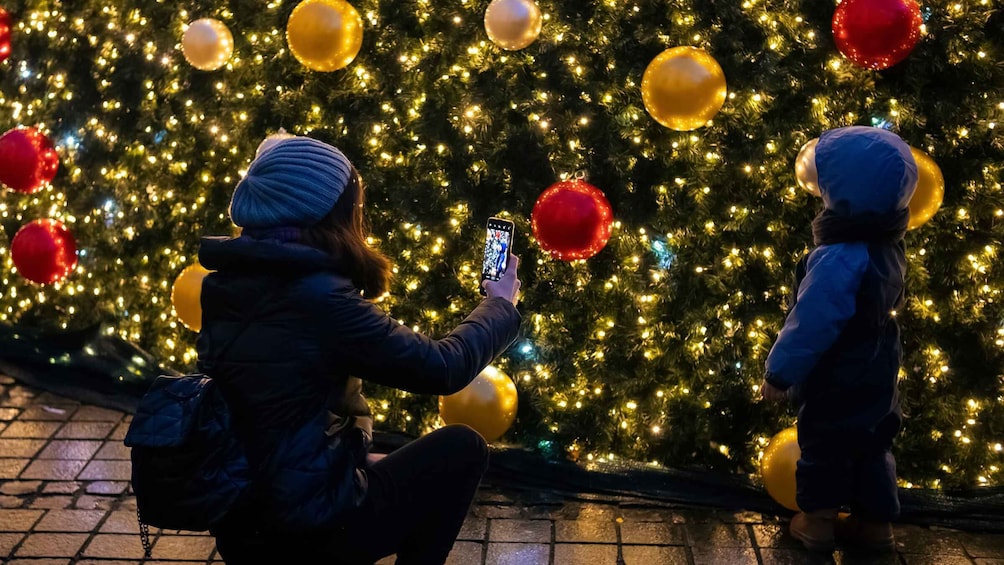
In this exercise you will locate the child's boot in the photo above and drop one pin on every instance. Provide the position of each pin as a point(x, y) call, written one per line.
point(870, 536)
point(815, 529)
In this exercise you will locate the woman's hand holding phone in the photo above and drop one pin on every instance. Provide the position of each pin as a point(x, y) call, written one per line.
point(508, 286)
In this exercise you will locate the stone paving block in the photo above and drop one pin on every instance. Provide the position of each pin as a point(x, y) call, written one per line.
point(47, 413)
point(742, 517)
point(389, 560)
point(70, 449)
point(40, 430)
point(717, 535)
point(51, 398)
point(57, 502)
point(88, 502)
point(53, 469)
point(107, 471)
point(70, 521)
point(793, 557)
point(630, 514)
point(585, 531)
point(523, 531)
point(913, 539)
point(20, 447)
point(15, 401)
point(85, 430)
point(652, 533)
point(982, 561)
point(518, 554)
point(852, 557)
point(121, 522)
point(20, 488)
point(106, 562)
point(107, 487)
point(935, 559)
point(46, 561)
point(10, 501)
point(652, 555)
point(189, 548)
point(495, 511)
point(97, 414)
point(588, 511)
point(774, 536)
point(113, 450)
point(473, 529)
point(19, 520)
point(592, 553)
point(119, 433)
point(11, 468)
point(984, 545)
point(115, 546)
point(8, 414)
point(724, 556)
point(61, 487)
point(465, 553)
point(8, 542)
point(51, 545)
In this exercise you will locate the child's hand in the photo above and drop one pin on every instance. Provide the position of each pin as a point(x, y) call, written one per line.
point(772, 393)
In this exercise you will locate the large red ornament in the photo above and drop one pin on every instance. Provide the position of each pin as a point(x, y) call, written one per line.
point(5, 24)
point(27, 160)
point(877, 34)
point(44, 251)
point(572, 220)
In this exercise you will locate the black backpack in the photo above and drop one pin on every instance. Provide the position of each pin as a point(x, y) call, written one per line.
point(189, 468)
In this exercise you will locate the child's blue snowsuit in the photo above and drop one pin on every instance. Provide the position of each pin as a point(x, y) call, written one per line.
point(840, 345)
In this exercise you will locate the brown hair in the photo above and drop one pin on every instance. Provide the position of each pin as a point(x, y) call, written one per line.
point(343, 233)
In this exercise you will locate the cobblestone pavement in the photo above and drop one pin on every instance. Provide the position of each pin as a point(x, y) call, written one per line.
point(64, 498)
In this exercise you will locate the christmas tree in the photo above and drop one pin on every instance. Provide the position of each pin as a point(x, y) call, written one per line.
point(651, 350)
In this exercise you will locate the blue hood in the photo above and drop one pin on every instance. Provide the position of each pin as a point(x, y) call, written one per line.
point(865, 170)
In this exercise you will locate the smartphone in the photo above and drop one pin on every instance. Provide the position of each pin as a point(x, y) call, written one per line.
point(498, 245)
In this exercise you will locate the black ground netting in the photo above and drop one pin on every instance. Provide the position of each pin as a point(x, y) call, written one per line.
point(96, 368)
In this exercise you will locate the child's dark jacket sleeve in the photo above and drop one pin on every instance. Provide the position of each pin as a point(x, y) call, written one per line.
point(827, 298)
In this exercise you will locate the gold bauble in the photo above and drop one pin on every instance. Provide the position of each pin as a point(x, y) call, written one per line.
point(683, 88)
point(207, 44)
point(488, 404)
point(805, 167)
point(186, 296)
point(930, 191)
point(324, 35)
point(780, 460)
point(513, 24)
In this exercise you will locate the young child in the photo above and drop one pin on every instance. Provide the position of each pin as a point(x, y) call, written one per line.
point(840, 345)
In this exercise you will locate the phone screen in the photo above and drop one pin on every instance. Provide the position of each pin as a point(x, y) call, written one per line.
point(497, 247)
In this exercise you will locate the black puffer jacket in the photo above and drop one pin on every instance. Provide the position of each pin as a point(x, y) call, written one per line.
point(310, 335)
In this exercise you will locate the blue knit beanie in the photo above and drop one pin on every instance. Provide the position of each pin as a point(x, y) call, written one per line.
point(293, 182)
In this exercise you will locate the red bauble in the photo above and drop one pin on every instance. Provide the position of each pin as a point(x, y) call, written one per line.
point(572, 220)
point(44, 251)
point(27, 160)
point(5, 24)
point(877, 34)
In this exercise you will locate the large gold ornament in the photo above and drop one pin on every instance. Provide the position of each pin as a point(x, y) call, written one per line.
point(780, 460)
point(488, 404)
point(207, 44)
point(930, 191)
point(805, 167)
point(683, 88)
point(186, 296)
point(513, 24)
point(324, 35)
